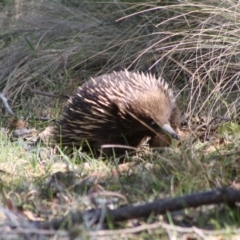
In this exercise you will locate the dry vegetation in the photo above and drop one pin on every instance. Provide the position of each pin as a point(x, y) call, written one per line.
point(53, 47)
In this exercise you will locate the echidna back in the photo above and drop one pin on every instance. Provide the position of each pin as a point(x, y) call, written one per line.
point(117, 108)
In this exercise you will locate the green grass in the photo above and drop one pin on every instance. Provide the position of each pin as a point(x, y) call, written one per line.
point(37, 181)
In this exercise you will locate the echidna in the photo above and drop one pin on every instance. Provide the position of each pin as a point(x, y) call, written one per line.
point(120, 108)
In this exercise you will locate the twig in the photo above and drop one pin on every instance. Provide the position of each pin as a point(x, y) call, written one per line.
point(221, 118)
point(5, 103)
point(50, 94)
point(225, 195)
point(165, 226)
point(31, 230)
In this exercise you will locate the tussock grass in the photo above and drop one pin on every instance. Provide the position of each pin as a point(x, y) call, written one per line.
point(192, 44)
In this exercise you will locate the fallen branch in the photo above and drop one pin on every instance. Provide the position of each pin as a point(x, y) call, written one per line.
point(225, 195)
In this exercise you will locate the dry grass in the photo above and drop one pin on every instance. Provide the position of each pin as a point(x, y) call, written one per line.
point(195, 45)
point(191, 47)
point(53, 47)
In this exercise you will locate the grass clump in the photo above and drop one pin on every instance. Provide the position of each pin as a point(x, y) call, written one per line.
point(193, 44)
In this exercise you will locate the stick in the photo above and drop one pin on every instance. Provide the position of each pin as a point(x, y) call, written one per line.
point(224, 195)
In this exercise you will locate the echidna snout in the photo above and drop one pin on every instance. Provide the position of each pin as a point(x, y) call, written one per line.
point(168, 129)
point(118, 109)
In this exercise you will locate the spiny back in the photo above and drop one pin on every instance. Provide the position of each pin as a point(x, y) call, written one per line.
point(119, 108)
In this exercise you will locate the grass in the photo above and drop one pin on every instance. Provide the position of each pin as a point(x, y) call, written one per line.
point(55, 46)
point(49, 186)
point(199, 56)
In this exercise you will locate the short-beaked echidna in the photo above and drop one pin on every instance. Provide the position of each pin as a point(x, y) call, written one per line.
point(120, 108)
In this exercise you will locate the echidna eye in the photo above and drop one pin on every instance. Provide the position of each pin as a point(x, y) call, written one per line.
point(153, 123)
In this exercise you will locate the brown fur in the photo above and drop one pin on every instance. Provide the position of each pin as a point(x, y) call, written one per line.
point(118, 108)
